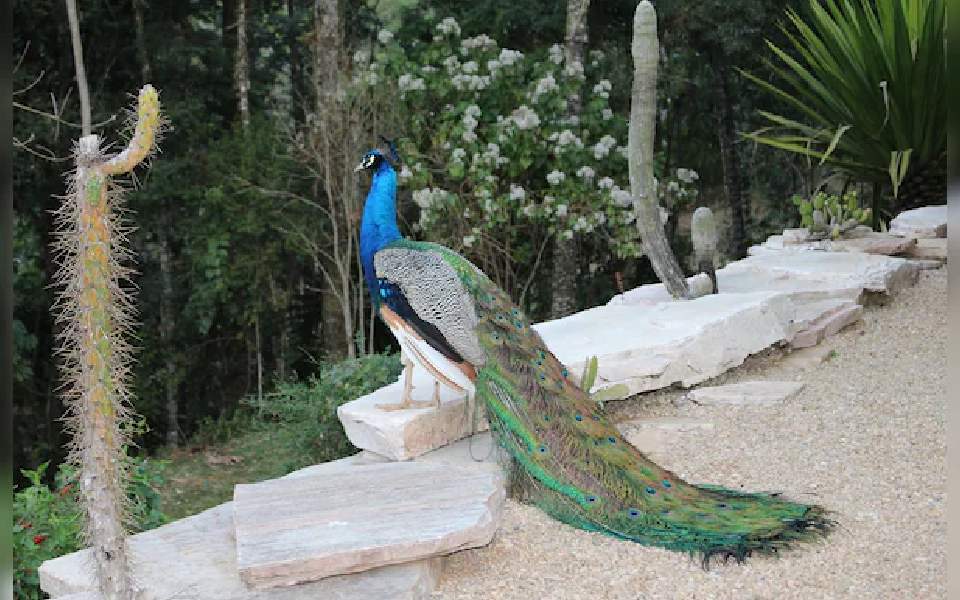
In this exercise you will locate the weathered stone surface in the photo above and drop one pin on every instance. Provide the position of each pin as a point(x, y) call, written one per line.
point(654, 435)
point(404, 434)
point(924, 264)
point(195, 559)
point(682, 342)
point(351, 520)
point(929, 249)
point(923, 222)
point(835, 269)
point(794, 236)
point(827, 324)
point(327, 468)
point(808, 358)
point(756, 393)
point(478, 451)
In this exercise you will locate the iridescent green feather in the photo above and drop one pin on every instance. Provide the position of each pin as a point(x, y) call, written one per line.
point(577, 467)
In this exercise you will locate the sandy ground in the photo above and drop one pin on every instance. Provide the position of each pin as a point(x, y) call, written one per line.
point(866, 438)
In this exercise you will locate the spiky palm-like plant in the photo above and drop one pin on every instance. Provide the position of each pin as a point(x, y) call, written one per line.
point(95, 310)
point(868, 82)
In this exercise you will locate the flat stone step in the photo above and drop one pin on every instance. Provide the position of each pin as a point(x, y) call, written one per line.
point(827, 324)
point(302, 529)
point(404, 434)
point(923, 222)
point(929, 249)
point(195, 558)
point(747, 393)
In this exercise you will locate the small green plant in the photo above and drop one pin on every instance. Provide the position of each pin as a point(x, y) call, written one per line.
point(47, 521)
point(828, 214)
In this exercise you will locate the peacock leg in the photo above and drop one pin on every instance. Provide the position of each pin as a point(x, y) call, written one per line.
point(406, 402)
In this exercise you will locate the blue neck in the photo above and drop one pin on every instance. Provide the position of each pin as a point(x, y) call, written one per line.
point(379, 224)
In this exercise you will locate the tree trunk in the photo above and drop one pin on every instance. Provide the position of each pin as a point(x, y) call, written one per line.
point(326, 52)
point(229, 42)
point(730, 161)
point(242, 65)
point(641, 137)
point(166, 336)
point(566, 258)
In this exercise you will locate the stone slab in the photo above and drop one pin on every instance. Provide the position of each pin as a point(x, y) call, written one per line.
point(367, 516)
point(826, 325)
point(683, 342)
point(929, 249)
point(747, 393)
point(195, 559)
point(923, 222)
point(924, 264)
point(404, 434)
point(868, 272)
point(870, 242)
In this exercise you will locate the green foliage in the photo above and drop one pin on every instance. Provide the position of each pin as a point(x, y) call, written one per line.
point(47, 521)
point(867, 83)
point(830, 214)
point(306, 411)
point(495, 163)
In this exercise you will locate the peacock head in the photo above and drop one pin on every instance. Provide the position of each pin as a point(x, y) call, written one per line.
point(371, 160)
point(374, 158)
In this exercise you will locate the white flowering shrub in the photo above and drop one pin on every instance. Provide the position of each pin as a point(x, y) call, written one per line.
point(489, 149)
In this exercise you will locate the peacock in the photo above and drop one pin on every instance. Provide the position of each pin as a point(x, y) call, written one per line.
point(571, 462)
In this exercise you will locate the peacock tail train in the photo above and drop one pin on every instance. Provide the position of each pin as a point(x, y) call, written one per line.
point(575, 465)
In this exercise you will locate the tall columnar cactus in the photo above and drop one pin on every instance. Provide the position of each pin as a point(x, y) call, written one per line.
point(703, 235)
point(646, 52)
point(96, 313)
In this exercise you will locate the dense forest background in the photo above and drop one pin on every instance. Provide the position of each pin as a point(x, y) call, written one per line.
point(239, 223)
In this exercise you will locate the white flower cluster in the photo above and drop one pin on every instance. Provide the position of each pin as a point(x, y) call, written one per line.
point(605, 183)
point(622, 198)
point(448, 26)
point(687, 175)
point(470, 66)
point(574, 70)
point(603, 88)
point(361, 56)
point(468, 240)
point(482, 42)
point(606, 114)
point(586, 172)
point(405, 172)
point(556, 54)
point(545, 86)
point(452, 63)
point(564, 139)
point(470, 123)
point(458, 155)
point(555, 177)
point(529, 209)
point(428, 197)
point(602, 148)
point(385, 36)
point(561, 210)
point(509, 57)
point(525, 117)
point(470, 82)
point(409, 83)
point(517, 193)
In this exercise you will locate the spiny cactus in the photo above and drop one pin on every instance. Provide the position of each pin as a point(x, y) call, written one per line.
point(830, 215)
point(95, 310)
point(703, 234)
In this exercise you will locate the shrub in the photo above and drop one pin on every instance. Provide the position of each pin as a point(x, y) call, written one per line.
point(306, 411)
point(47, 521)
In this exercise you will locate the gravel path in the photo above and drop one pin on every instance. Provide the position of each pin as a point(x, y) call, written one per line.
point(866, 438)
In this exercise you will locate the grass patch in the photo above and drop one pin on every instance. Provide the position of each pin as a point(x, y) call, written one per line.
point(293, 427)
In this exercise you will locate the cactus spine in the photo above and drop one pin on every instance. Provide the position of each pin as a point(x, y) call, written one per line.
point(97, 314)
